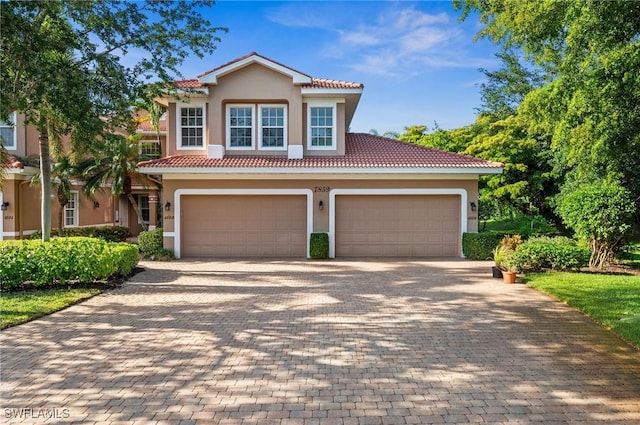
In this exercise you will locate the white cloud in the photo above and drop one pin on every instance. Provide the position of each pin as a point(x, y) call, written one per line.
point(393, 44)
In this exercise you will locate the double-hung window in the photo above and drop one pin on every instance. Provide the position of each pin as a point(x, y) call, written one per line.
point(273, 127)
point(191, 126)
point(321, 132)
point(71, 211)
point(251, 126)
point(8, 133)
point(240, 126)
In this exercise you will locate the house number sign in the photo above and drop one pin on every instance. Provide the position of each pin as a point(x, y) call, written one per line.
point(321, 189)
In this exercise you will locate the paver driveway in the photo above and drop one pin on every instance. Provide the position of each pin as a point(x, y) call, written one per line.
point(318, 343)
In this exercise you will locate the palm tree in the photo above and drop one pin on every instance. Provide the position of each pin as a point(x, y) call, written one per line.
point(63, 171)
point(115, 166)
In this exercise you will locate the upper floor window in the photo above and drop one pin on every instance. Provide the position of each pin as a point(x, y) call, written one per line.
point(273, 127)
point(191, 126)
point(8, 133)
point(240, 127)
point(267, 132)
point(321, 132)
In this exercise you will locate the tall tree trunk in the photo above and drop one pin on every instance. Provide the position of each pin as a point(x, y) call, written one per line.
point(45, 184)
point(136, 208)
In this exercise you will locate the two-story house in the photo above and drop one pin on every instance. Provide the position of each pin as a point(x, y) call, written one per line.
point(20, 199)
point(259, 157)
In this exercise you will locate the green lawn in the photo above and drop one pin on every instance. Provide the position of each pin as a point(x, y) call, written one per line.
point(21, 307)
point(612, 300)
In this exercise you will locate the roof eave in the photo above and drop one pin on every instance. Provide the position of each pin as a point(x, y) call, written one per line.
point(320, 170)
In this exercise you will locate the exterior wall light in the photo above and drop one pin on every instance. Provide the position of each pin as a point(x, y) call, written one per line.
point(96, 204)
point(473, 206)
point(321, 205)
point(167, 206)
point(4, 206)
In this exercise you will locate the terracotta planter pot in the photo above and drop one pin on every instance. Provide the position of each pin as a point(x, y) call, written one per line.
point(509, 277)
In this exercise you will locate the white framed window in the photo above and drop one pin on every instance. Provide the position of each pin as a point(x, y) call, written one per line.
point(240, 127)
point(143, 203)
point(321, 126)
point(191, 124)
point(8, 133)
point(273, 127)
point(71, 211)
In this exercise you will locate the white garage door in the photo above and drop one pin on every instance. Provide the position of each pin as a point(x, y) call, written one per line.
point(244, 226)
point(397, 226)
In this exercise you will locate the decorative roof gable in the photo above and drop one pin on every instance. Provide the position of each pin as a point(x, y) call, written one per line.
point(211, 77)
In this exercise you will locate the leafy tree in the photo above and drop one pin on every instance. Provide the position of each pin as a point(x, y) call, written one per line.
point(62, 65)
point(527, 180)
point(115, 166)
point(507, 86)
point(598, 213)
point(589, 52)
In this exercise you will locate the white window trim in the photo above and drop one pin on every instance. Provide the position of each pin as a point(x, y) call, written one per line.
point(392, 192)
point(76, 204)
point(228, 126)
point(14, 118)
point(140, 206)
point(284, 147)
point(179, 107)
point(322, 104)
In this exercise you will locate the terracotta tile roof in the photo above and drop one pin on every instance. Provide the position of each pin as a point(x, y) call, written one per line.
point(315, 82)
point(189, 84)
point(322, 83)
point(13, 162)
point(144, 124)
point(362, 151)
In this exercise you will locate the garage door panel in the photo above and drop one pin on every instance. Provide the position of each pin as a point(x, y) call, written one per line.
point(244, 226)
point(397, 225)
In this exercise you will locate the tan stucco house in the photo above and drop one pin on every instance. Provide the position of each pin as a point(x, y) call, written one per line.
point(260, 157)
point(20, 200)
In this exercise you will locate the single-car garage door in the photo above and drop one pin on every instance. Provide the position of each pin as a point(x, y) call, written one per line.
point(397, 226)
point(244, 226)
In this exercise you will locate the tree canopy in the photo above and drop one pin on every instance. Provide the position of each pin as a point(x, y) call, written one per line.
point(75, 67)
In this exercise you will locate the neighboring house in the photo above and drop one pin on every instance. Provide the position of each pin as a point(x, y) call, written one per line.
point(259, 157)
point(20, 202)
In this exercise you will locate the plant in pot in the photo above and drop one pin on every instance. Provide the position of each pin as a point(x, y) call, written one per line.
point(510, 271)
point(499, 255)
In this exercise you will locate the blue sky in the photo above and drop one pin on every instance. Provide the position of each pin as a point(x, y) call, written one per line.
point(417, 62)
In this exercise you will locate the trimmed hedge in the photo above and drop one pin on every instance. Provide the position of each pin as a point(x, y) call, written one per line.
point(480, 246)
point(81, 259)
point(151, 244)
point(319, 245)
point(107, 233)
point(558, 253)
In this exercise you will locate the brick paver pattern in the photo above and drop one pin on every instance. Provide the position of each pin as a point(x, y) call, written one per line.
point(336, 342)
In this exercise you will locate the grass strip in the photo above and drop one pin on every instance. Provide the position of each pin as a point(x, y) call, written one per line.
point(22, 306)
point(611, 300)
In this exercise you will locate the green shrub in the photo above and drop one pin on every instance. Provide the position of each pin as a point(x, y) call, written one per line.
point(558, 253)
point(80, 259)
point(480, 246)
point(107, 233)
point(600, 213)
point(319, 245)
point(150, 241)
point(151, 244)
